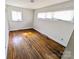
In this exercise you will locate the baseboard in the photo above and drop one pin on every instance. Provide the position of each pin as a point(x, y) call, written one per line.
point(48, 37)
point(41, 34)
point(21, 29)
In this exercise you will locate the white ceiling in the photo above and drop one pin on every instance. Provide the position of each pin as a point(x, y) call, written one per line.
point(37, 4)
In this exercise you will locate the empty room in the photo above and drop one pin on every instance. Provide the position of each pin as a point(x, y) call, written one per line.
point(40, 29)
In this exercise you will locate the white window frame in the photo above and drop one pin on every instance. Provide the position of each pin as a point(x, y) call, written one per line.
point(45, 15)
point(62, 15)
point(53, 16)
point(16, 16)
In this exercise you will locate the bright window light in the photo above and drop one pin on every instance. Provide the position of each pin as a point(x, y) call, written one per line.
point(64, 15)
point(16, 16)
point(49, 15)
point(41, 15)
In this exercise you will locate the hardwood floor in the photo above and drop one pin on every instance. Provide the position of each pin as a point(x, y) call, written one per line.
point(30, 44)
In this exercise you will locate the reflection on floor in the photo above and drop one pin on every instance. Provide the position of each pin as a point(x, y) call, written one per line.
point(30, 44)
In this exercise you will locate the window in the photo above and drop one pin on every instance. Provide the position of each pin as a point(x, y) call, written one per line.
point(66, 15)
point(47, 15)
point(16, 16)
point(41, 15)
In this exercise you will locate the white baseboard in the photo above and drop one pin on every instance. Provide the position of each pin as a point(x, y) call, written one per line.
point(20, 29)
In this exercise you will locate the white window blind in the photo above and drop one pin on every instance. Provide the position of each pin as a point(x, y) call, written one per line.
point(16, 16)
point(42, 15)
point(66, 15)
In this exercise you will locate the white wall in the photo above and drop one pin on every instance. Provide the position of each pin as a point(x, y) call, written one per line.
point(69, 51)
point(57, 30)
point(27, 16)
point(6, 35)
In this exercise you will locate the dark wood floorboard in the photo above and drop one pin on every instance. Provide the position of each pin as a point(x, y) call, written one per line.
point(30, 44)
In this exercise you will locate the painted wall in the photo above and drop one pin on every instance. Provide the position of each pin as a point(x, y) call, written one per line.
point(60, 31)
point(69, 51)
point(27, 16)
point(6, 35)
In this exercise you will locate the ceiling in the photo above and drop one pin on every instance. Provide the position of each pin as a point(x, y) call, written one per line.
point(35, 5)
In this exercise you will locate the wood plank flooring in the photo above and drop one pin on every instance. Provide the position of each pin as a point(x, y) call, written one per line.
point(30, 44)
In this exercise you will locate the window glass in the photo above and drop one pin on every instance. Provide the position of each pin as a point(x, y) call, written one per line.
point(16, 16)
point(64, 15)
point(41, 15)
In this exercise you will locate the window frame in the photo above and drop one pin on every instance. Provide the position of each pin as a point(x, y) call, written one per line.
point(56, 18)
point(17, 19)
